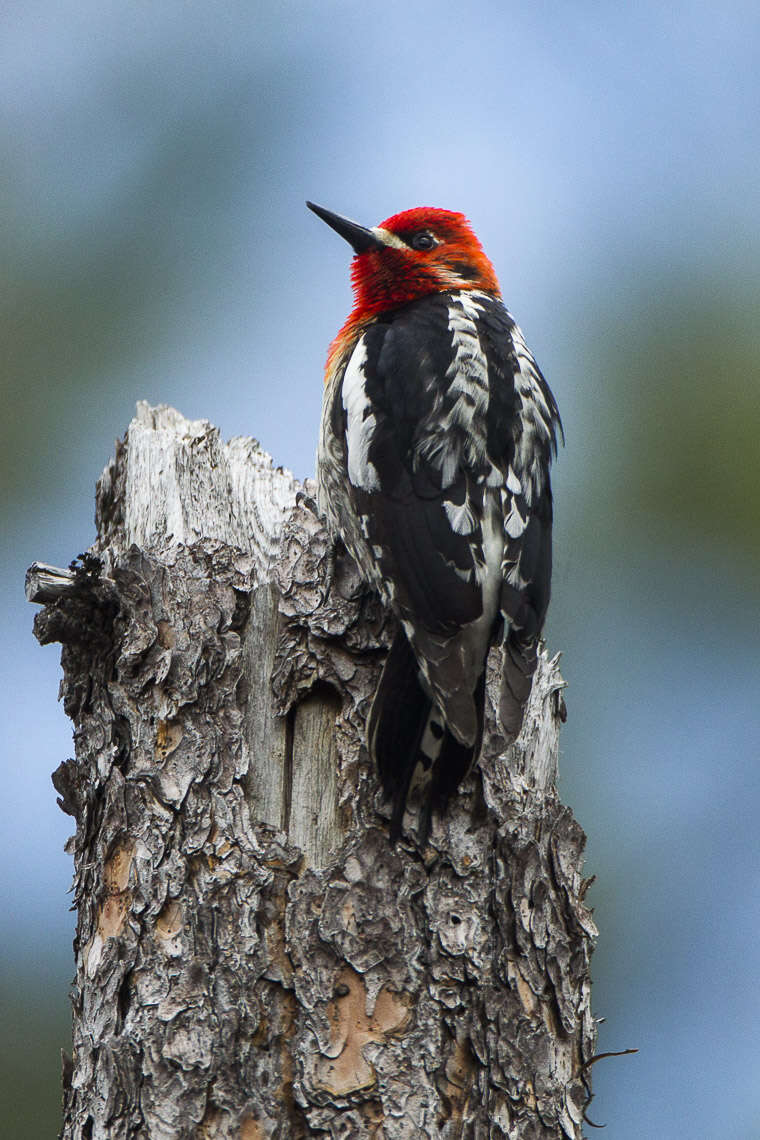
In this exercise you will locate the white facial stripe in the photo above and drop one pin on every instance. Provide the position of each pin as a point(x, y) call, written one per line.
point(387, 238)
point(451, 279)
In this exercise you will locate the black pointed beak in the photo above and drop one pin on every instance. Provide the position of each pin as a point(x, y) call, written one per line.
point(358, 237)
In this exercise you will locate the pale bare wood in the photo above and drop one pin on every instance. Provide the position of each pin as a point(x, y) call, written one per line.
point(182, 484)
point(312, 820)
point(45, 583)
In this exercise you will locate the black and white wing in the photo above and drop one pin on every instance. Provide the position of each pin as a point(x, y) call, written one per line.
point(440, 489)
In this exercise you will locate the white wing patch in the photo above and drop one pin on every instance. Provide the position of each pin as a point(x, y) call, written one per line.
point(455, 439)
point(468, 370)
point(460, 516)
point(511, 572)
point(513, 483)
point(535, 416)
point(360, 422)
point(514, 523)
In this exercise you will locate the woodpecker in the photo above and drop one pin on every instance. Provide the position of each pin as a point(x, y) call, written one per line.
point(437, 435)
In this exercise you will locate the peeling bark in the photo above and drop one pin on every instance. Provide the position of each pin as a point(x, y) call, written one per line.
point(253, 957)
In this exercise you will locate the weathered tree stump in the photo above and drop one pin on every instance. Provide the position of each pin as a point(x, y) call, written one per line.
point(253, 957)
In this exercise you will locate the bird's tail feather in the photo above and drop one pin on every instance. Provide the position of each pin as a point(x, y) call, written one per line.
point(519, 664)
point(397, 720)
point(410, 743)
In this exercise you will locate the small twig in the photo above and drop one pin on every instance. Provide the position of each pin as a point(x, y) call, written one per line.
point(612, 1053)
point(592, 1061)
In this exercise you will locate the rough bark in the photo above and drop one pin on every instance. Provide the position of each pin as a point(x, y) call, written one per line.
point(253, 957)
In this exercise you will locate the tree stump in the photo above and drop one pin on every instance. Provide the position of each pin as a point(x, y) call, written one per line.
point(253, 957)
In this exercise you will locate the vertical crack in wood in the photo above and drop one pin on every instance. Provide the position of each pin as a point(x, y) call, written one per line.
point(287, 771)
point(265, 733)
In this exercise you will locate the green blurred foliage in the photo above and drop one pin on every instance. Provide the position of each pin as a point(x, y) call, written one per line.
point(36, 1017)
point(86, 300)
point(681, 413)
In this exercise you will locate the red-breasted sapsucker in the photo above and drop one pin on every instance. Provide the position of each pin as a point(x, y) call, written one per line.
point(437, 435)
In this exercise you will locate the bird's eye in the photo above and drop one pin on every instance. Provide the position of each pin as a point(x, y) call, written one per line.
point(423, 240)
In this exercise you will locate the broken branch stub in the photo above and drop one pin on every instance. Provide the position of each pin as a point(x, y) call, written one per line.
point(253, 957)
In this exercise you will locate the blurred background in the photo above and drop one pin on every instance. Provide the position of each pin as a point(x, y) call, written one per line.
point(154, 161)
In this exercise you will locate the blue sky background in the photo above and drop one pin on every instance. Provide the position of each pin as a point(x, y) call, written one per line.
point(154, 161)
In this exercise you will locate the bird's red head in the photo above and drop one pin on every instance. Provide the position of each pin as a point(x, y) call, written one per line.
point(408, 256)
point(423, 251)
